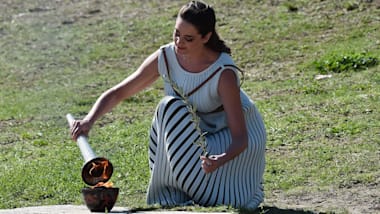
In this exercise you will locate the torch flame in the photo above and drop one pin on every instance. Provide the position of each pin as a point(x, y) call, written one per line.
point(102, 184)
point(96, 169)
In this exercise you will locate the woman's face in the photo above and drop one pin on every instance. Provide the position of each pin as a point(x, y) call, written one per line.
point(186, 38)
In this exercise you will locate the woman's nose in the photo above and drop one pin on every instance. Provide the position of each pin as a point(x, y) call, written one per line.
point(179, 40)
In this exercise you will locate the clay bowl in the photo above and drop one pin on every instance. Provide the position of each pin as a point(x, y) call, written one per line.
point(100, 199)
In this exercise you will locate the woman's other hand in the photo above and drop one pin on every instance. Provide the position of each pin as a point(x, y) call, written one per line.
point(212, 162)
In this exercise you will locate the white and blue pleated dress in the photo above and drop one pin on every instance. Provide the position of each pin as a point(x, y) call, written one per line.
point(176, 173)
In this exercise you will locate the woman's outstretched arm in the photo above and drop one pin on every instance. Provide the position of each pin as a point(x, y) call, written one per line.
point(143, 77)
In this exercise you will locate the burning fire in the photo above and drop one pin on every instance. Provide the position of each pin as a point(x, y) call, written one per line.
point(102, 184)
point(99, 169)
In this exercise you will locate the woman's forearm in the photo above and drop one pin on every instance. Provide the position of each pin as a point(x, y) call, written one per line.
point(238, 146)
point(103, 104)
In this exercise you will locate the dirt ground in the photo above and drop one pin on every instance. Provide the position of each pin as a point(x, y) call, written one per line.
point(356, 200)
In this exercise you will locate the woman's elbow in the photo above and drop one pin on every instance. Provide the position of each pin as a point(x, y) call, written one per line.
point(243, 145)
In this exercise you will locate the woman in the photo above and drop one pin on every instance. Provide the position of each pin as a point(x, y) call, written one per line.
point(198, 72)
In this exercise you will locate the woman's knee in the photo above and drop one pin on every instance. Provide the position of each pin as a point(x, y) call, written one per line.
point(170, 102)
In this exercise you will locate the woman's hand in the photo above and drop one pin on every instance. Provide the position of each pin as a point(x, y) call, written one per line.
point(212, 162)
point(80, 127)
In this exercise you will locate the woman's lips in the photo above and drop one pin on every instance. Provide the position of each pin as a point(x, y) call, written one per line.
point(180, 48)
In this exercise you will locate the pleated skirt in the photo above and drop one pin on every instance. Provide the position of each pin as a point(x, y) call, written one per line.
point(176, 175)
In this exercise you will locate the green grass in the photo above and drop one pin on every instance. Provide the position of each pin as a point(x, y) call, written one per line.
point(322, 134)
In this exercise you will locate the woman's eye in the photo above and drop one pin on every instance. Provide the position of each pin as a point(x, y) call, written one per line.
point(188, 39)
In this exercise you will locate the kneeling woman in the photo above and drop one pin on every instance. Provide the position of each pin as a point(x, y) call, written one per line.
point(199, 74)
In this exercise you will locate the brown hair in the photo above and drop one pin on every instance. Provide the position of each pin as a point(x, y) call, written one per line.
point(202, 16)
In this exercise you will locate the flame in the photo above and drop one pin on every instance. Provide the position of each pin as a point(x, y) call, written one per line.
point(97, 167)
point(105, 166)
point(102, 184)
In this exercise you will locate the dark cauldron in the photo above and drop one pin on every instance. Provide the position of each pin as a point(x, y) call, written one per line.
point(100, 199)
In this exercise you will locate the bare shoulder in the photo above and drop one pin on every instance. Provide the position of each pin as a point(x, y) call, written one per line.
point(228, 89)
point(228, 79)
point(153, 58)
point(150, 64)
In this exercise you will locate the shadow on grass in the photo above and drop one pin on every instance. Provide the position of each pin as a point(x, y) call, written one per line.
point(276, 210)
point(261, 210)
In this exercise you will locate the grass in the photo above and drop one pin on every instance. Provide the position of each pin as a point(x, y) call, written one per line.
point(57, 57)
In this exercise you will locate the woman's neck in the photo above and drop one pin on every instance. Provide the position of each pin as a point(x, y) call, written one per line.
point(197, 61)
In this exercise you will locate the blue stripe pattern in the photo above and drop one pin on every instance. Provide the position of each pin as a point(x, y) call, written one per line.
point(176, 174)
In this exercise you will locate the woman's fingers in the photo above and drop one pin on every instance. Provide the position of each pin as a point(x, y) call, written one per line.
point(208, 165)
point(77, 129)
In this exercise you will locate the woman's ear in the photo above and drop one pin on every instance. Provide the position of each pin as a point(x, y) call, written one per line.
point(206, 37)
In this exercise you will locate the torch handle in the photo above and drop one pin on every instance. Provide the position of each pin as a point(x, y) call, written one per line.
point(82, 142)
